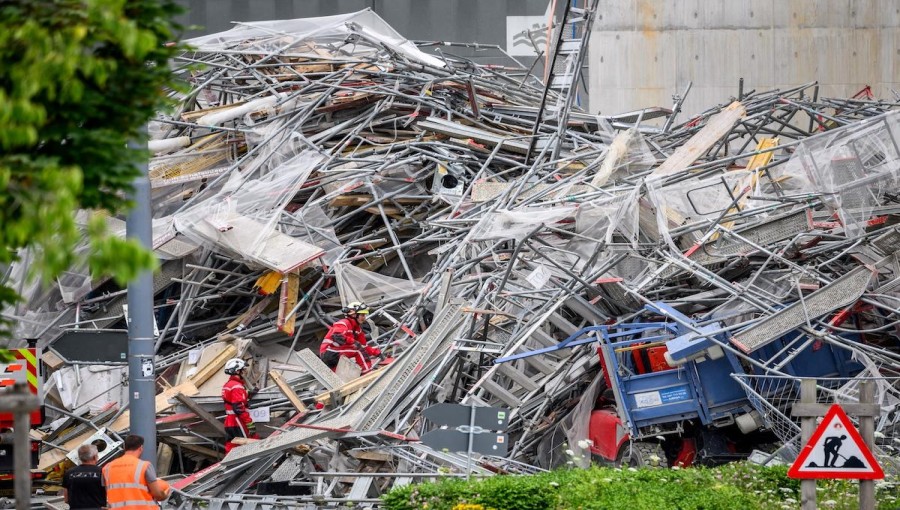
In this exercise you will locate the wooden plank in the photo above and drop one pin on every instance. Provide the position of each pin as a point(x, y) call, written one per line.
point(209, 452)
point(201, 413)
point(52, 360)
point(244, 440)
point(351, 387)
point(362, 199)
point(804, 410)
point(287, 391)
point(211, 368)
point(162, 404)
point(253, 312)
point(290, 293)
point(716, 127)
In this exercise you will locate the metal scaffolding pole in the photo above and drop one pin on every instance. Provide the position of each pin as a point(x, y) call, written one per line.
point(141, 373)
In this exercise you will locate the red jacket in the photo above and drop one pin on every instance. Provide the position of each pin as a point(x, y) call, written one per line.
point(353, 335)
point(237, 402)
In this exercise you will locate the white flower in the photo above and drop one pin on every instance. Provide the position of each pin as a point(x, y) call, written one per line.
point(584, 444)
point(786, 489)
point(554, 484)
point(654, 458)
point(830, 503)
point(879, 435)
point(632, 469)
point(570, 453)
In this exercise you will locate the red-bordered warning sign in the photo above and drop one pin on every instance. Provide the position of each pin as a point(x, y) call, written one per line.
point(836, 450)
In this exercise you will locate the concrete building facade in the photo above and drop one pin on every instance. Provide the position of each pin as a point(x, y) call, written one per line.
point(644, 51)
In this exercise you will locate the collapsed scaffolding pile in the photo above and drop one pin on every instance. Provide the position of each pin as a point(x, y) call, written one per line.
point(318, 162)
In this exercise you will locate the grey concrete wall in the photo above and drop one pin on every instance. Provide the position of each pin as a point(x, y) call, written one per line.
point(643, 51)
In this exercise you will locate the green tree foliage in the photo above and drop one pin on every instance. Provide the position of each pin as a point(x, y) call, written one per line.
point(78, 80)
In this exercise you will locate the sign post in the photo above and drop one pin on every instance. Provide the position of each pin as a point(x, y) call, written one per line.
point(20, 402)
point(472, 432)
point(835, 449)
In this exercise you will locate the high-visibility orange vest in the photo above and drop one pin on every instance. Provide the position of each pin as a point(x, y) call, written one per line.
point(126, 484)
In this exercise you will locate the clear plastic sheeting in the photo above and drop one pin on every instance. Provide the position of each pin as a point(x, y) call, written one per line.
point(516, 224)
point(43, 325)
point(852, 167)
point(567, 443)
point(694, 201)
point(602, 218)
point(577, 423)
point(73, 286)
point(245, 217)
point(312, 225)
point(357, 284)
point(627, 155)
point(357, 35)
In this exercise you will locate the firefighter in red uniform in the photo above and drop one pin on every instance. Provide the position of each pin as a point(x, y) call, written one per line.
point(346, 338)
point(237, 405)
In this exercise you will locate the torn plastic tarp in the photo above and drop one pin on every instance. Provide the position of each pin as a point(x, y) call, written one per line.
point(692, 201)
point(852, 167)
point(355, 35)
point(245, 218)
point(357, 284)
point(516, 224)
point(602, 218)
point(628, 154)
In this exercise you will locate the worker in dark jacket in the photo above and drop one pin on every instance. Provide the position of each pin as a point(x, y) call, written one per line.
point(347, 338)
point(83, 484)
point(238, 422)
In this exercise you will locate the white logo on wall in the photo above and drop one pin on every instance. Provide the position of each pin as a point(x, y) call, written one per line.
point(526, 36)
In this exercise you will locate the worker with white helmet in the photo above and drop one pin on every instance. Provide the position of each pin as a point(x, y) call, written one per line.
point(347, 338)
point(238, 422)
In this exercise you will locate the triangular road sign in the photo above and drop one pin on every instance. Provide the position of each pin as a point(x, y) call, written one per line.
point(836, 450)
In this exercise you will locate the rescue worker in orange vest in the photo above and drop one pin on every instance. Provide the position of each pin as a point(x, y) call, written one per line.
point(131, 483)
point(346, 338)
point(238, 422)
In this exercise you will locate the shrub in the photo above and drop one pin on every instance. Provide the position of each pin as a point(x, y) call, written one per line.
point(738, 485)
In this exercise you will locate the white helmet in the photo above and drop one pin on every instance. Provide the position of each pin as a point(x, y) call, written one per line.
point(234, 365)
point(356, 308)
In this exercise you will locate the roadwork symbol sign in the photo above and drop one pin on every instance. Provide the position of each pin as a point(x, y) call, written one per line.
point(836, 450)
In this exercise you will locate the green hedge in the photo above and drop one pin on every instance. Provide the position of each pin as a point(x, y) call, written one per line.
point(738, 485)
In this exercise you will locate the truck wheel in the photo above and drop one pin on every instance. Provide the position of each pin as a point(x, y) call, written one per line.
point(642, 455)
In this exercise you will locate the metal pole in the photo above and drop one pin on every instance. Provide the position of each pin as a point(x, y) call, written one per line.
point(807, 427)
point(867, 431)
point(20, 402)
point(471, 441)
point(141, 374)
point(21, 459)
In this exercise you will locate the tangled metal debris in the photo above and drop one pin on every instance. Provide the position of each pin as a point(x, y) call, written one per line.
point(554, 268)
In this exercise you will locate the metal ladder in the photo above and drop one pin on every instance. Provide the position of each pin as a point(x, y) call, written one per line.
point(512, 384)
point(564, 71)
